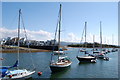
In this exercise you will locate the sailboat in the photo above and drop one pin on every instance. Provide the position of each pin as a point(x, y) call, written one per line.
point(86, 58)
point(102, 54)
point(17, 73)
point(62, 61)
point(4, 69)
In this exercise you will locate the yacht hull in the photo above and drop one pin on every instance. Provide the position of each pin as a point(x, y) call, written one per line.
point(56, 68)
point(84, 59)
point(18, 75)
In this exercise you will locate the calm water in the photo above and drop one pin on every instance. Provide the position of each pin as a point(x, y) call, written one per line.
point(100, 69)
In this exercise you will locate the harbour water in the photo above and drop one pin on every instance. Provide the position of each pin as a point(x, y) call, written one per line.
point(41, 60)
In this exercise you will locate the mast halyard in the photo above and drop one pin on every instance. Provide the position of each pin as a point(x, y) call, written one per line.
point(18, 35)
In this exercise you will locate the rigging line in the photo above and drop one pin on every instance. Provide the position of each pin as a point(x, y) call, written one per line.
point(58, 24)
point(81, 39)
point(55, 35)
point(56, 28)
point(28, 41)
point(82, 35)
point(14, 19)
point(24, 27)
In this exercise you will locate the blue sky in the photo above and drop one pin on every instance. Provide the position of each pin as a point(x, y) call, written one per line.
point(43, 16)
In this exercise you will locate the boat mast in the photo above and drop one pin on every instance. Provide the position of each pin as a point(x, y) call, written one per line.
point(108, 44)
point(101, 36)
point(112, 39)
point(93, 42)
point(18, 36)
point(85, 36)
point(59, 28)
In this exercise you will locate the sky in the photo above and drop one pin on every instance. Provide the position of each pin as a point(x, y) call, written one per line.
point(60, 1)
point(40, 19)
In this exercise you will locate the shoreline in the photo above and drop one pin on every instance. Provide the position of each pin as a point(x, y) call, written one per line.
point(14, 49)
point(24, 51)
point(90, 47)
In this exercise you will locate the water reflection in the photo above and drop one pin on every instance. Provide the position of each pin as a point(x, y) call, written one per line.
point(59, 74)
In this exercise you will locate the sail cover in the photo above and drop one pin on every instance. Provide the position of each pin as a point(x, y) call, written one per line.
point(4, 69)
point(3, 72)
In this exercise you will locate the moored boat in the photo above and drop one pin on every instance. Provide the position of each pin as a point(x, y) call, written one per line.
point(60, 65)
point(62, 62)
point(86, 58)
point(102, 53)
point(17, 73)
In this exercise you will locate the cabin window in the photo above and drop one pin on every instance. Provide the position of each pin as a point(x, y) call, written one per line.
point(14, 75)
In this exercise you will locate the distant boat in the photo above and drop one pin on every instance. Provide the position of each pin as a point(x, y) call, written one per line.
point(94, 50)
point(107, 50)
point(82, 50)
point(114, 50)
point(17, 73)
point(60, 52)
point(62, 62)
point(101, 54)
point(86, 58)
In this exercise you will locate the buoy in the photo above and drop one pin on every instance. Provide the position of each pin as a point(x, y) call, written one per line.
point(10, 76)
point(39, 73)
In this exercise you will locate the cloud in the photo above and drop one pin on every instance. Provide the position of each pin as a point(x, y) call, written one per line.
point(42, 35)
point(71, 37)
point(106, 39)
point(32, 35)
